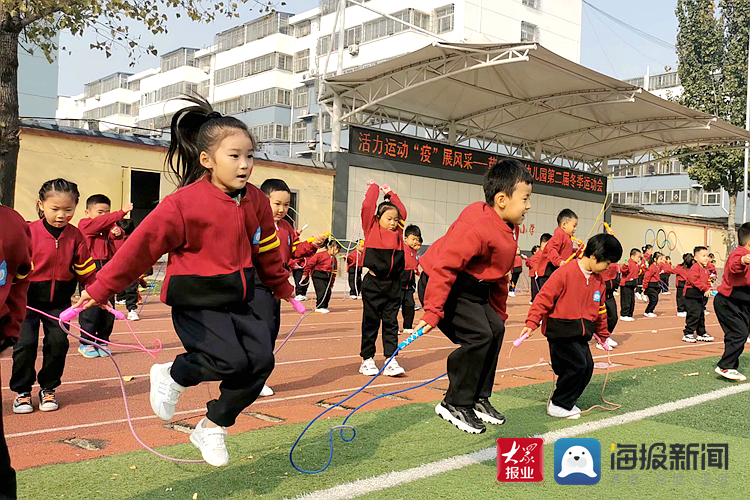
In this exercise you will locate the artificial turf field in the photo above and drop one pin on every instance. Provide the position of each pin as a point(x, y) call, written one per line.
point(406, 437)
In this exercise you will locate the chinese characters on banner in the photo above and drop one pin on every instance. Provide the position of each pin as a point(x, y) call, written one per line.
point(434, 154)
point(520, 460)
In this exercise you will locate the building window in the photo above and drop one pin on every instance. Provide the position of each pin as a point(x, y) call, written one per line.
point(251, 67)
point(254, 30)
point(626, 197)
point(621, 171)
point(303, 29)
point(663, 81)
point(177, 59)
point(648, 197)
point(254, 100)
point(301, 98)
point(534, 4)
point(302, 60)
point(101, 86)
point(712, 197)
point(168, 92)
point(324, 44)
point(529, 32)
point(300, 132)
point(353, 35)
point(270, 132)
point(444, 19)
point(135, 86)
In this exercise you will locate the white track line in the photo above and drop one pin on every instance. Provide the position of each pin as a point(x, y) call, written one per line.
point(392, 479)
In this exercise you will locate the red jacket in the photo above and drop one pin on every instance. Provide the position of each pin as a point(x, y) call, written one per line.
point(569, 305)
point(611, 278)
point(323, 262)
point(681, 273)
point(517, 262)
point(697, 279)
point(480, 244)
point(666, 268)
point(645, 260)
point(384, 249)
point(652, 274)
point(736, 281)
point(557, 251)
point(291, 247)
point(99, 240)
point(59, 264)
point(15, 267)
point(629, 271)
point(712, 273)
point(354, 261)
point(214, 243)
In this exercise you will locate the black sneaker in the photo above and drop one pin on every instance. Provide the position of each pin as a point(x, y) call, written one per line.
point(487, 413)
point(47, 400)
point(22, 404)
point(463, 418)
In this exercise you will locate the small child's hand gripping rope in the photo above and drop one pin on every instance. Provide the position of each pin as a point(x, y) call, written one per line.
point(344, 425)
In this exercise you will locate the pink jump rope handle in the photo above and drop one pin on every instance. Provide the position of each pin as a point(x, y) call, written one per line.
point(117, 314)
point(297, 305)
point(68, 314)
point(520, 340)
point(603, 343)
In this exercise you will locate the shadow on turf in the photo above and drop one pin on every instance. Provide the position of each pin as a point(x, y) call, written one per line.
point(266, 474)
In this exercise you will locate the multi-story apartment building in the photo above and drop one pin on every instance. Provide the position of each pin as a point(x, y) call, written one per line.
point(266, 71)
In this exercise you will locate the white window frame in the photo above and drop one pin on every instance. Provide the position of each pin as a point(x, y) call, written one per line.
point(529, 32)
point(708, 194)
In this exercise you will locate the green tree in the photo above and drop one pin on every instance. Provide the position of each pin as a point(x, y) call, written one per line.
point(36, 22)
point(712, 52)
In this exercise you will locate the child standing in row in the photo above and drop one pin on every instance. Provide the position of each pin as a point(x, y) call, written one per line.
point(464, 290)
point(697, 290)
point(516, 273)
point(413, 241)
point(640, 291)
point(322, 269)
point(681, 273)
point(100, 231)
point(666, 270)
point(15, 267)
point(381, 288)
point(61, 261)
point(354, 263)
point(535, 266)
point(300, 286)
point(611, 278)
point(264, 303)
point(652, 283)
point(570, 312)
point(630, 272)
point(219, 231)
point(559, 248)
point(732, 306)
point(130, 295)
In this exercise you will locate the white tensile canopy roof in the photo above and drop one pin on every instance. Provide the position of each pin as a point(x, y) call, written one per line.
point(525, 99)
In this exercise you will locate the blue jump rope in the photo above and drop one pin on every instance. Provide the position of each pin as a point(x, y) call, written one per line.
point(344, 426)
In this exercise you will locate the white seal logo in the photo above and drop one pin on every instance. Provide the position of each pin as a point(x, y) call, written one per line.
point(577, 459)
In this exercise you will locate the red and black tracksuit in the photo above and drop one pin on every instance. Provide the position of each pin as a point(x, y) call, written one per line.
point(532, 263)
point(354, 263)
point(322, 269)
point(696, 286)
point(264, 303)
point(381, 288)
point(216, 242)
point(666, 270)
point(558, 250)
point(570, 311)
point(130, 293)
point(732, 306)
point(298, 267)
point(15, 267)
point(464, 291)
point(652, 286)
point(409, 286)
point(680, 278)
point(629, 272)
point(61, 261)
point(516, 272)
point(101, 245)
point(644, 265)
point(611, 278)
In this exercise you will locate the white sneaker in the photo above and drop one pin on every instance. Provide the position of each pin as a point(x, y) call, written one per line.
point(599, 346)
point(616, 293)
point(707, 313)
point(666, 293)
point(353, 297)
point(266, 391)
point(165, 392)
point(689, 338)
point(611, 342)
point(557, 411)
point(650, 315)
point(300, 298)
point(120, 302)
point(511, 294)
point(408, 331)
point(639, 296)
point(133, 316)
point(682, 314)
point(644, 297)
point(394, 369)
point(704, 338)
point(626, 318)
point(322, 310)
point(210, 440)
point(531, 302)
point(369, 368)
point(731, 374)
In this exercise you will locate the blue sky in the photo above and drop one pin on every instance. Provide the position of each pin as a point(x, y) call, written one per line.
point(606, 46)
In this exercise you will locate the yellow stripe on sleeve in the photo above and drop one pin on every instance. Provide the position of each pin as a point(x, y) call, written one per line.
point(20, 276)
point(268, 239)
point(84, 272)
point(270, 246)
point(85, 264)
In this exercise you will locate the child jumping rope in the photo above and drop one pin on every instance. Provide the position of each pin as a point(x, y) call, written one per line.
point(219, 231)
point(61, 261)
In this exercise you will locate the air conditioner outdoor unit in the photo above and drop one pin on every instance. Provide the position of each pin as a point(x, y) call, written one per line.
point(353, 49)
point(98, 97)
point(313, 72)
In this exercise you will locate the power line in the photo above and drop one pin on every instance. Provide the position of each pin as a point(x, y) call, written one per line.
point(641, 33)
point(601, 45)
